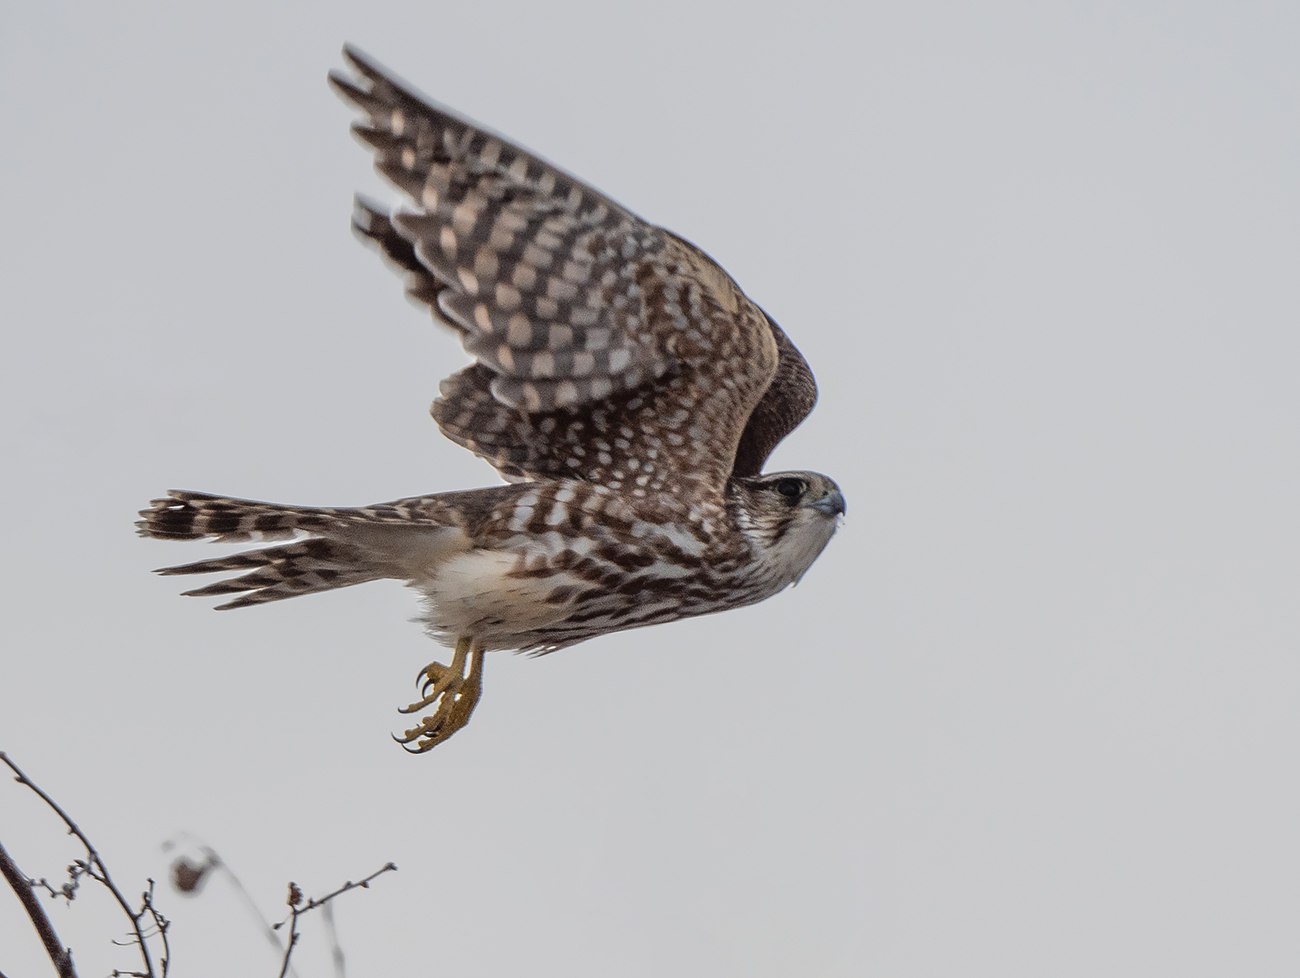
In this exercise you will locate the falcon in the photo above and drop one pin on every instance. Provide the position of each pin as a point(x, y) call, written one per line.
point(622, 384)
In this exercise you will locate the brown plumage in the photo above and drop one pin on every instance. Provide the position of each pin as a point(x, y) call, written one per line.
point(621, 380)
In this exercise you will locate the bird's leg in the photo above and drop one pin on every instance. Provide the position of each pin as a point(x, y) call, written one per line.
point(455, 689)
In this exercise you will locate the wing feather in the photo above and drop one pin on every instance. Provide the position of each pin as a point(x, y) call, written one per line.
point(583, 319)
point(787, 401)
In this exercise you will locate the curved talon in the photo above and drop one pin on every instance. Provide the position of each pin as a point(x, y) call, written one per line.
point(438, 679)
point(428, 735)
point(415, 733)
point(440, 689)
point(425, 675)
point(445, 679)
point(455, 689)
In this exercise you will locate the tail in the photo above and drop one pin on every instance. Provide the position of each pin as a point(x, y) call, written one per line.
point(320, 563)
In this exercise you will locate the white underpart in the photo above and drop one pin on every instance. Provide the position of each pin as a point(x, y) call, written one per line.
point(788, 559)
point(474, 594)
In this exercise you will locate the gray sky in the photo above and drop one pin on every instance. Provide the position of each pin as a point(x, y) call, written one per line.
point(1034, 712)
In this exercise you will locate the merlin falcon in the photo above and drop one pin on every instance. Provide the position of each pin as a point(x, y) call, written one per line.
point(622, 384)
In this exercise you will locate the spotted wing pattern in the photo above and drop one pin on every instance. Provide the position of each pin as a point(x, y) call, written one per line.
point(606, 348)
point(508, 438)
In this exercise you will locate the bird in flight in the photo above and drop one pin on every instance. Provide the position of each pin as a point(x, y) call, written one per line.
point(624, 386)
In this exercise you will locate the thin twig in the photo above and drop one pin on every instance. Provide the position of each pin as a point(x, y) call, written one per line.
point(95, 868)
point(289, 945)
point(312, 902)
point(22, 885)
point(68, 890)
point(297, 908)
point(161, 923)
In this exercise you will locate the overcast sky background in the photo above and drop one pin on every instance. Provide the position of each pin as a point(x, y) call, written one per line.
point(1036, 711)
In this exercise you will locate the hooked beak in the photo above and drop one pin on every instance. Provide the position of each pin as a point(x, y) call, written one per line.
point(831, 504)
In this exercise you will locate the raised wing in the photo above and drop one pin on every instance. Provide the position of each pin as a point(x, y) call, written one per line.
point(787, 401)
point(606, 348)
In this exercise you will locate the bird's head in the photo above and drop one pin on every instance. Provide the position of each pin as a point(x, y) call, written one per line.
point(789, 517)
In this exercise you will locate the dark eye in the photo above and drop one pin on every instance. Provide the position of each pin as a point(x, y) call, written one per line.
point(790, 488)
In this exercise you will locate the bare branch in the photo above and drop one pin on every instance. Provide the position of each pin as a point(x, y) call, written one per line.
point(297, 908)
point(160, 924)
point(312, 903)
point(22, 886)
point(289, 946)
point(147, 923)
point(93, 866)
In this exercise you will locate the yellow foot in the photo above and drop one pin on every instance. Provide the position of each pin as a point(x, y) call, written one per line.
point(452, 690)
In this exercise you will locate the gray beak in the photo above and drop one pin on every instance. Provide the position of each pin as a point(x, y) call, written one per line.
point(831, 504)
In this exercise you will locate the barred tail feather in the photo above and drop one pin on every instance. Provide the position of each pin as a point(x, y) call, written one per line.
point(274, 573)
point(185, 515)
